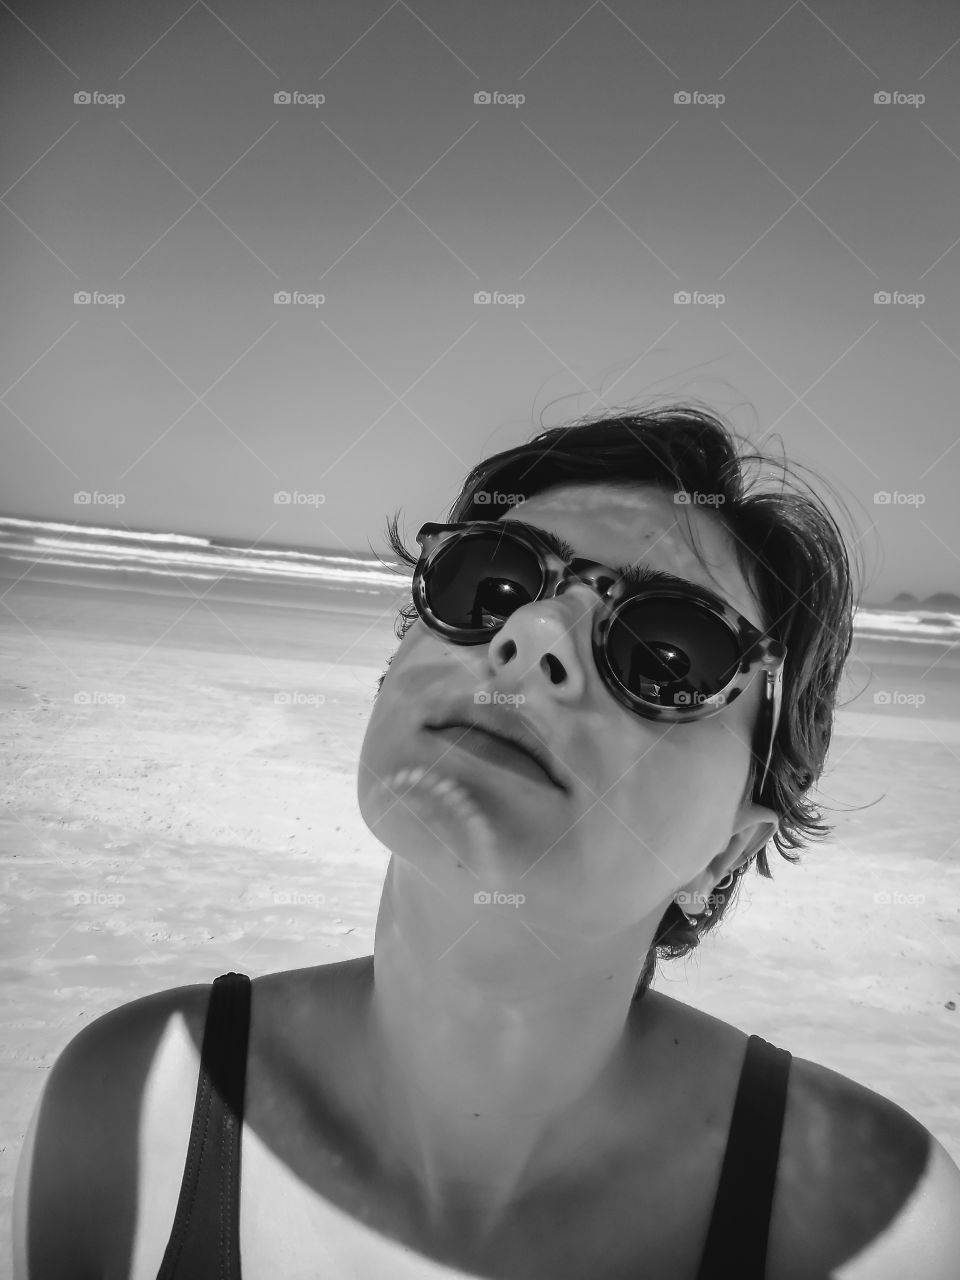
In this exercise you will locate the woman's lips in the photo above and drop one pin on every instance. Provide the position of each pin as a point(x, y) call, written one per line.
point(497, 751)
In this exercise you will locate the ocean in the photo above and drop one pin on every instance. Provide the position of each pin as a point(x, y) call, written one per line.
point(904, 664)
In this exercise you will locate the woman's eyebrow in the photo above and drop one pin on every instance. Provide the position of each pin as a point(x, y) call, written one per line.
point(632, 573)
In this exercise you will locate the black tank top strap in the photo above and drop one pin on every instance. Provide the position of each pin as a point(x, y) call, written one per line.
point(204, 1243)
point(739, 1230)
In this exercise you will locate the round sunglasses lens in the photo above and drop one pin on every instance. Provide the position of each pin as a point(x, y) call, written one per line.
point(480, 579)
point(670, 651)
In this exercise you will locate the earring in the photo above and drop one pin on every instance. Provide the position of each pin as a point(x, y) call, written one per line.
point(696, 920)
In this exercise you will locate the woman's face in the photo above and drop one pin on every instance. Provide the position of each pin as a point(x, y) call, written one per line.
point(648, 804)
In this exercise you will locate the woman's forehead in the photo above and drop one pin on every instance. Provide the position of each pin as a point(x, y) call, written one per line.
point(643, 525)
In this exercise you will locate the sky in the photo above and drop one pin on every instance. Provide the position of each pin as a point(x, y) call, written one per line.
point(582, 196)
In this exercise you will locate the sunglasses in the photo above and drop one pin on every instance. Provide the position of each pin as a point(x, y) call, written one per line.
point(666, 650)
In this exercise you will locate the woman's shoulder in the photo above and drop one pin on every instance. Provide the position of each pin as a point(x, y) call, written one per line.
point(75, 1159)
point(78, 1158)
point(835, 1128)
point(853, 1167)
point(829, 1101)
point(148, 1014)
point(858, 1176)
point(128, 1032)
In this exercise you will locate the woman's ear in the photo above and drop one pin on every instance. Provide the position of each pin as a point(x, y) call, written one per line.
point(749, 838)
point(756, 824)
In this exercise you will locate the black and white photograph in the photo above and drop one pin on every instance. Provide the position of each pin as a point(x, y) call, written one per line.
point(479, 640)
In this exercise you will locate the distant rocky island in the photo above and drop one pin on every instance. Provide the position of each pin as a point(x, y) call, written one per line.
point(940, 602)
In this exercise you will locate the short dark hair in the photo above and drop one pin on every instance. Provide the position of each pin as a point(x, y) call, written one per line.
point(789, 549)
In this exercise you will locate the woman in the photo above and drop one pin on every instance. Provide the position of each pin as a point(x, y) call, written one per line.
point(614, 687)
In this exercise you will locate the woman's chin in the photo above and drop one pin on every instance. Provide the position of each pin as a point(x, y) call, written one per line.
point(416, 813)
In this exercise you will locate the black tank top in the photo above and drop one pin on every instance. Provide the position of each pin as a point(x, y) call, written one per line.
point(205, 1240)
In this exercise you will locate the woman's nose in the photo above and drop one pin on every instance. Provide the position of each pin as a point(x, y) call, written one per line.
point(540, 642)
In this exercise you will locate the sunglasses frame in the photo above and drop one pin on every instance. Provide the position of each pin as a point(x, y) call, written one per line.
point(756, 648)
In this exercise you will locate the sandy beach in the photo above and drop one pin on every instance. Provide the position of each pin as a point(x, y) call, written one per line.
point(180, 801)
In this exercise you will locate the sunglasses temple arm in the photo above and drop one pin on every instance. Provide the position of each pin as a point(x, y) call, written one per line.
point(771, 718)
